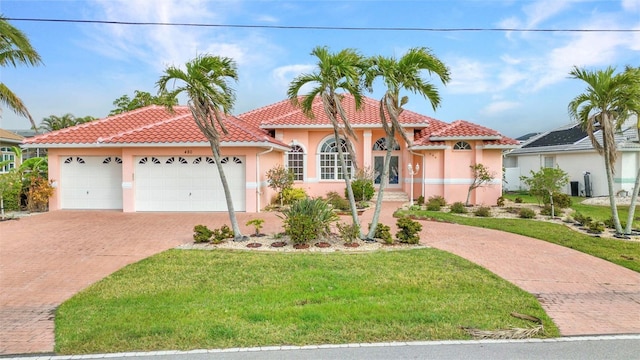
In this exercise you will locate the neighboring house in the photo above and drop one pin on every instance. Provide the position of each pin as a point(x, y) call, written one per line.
point(8, 140)
point(152, 160)
point(570, 149)
point(31, 152)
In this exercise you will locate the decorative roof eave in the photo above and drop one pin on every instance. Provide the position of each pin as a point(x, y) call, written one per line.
point(329, 126)
point(429, 147)
point(472, 137)
point(501, 146)
point(11, 141)
point(550, 150)
point(223, 144)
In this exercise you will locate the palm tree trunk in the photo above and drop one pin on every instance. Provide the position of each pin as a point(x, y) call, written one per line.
point(612, 195)
point(237, 235)
point(384, 179)
point(632, 205)
point(347, 181)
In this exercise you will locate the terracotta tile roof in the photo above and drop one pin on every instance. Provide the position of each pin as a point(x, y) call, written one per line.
point(151, 125)
point(436, 134)
point(463, 129)
point(284, 115)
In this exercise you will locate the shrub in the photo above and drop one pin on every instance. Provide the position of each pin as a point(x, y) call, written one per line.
point(439, 199)
point(500, 201)
point(40, 190)
point(433, 205)
point(581, 219)
point(201, 234)
point(420, 200)
point(11, 187)
point(348, 232)
point(337, 201)
point(546, 210)
point(518, 200)
point(596, 227)
point(458, 208)
point(527, 213)
point(560, 201)
point(280, 179)
point(291, 195)
point(408, 231)
point(609, 223)
point(383, 232)
point(222, 234)
point(483, 211)
point(362, 189)
point(257, 225)
point(308, 219)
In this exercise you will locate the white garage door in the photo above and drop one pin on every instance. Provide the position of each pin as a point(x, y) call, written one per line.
point(91, 182)
point(188, 183)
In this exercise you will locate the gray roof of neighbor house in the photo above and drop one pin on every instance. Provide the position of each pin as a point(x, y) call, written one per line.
point(571, 138)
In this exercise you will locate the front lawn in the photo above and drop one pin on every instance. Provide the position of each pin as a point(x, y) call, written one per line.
point(190, 299)
point(596, 212)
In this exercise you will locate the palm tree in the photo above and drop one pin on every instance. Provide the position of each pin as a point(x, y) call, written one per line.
point(634, 99)
point(341, 71)
point(53, 122)
point(15, 49)
point(211, 98)
point(398, 75)
point(603, 108)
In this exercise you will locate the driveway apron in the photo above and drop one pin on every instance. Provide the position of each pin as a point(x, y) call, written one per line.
point(47, 258)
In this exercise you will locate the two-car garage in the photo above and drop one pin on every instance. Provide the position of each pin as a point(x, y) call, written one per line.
point(160, 183)
point(187, 183)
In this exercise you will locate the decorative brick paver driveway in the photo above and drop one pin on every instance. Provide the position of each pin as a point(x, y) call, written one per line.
point(47, 258)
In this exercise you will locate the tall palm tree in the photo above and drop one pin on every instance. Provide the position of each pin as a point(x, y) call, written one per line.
point(15, 49)
point(634, 100)
point(342, 71)
point(211, 98)
point(603, 107)
point(406, 73)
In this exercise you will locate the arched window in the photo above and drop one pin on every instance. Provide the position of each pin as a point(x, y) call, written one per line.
point(381, 145)
point(330, 167)
point(295, 162)
point(462, 145)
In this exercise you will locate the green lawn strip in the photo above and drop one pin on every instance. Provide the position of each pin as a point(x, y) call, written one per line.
point(598, 213)
point(219, 299)
point(620, 252)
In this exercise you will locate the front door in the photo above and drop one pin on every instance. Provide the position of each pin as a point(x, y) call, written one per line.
point(394, 170)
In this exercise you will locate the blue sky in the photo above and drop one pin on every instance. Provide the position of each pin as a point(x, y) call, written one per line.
point(514, 82)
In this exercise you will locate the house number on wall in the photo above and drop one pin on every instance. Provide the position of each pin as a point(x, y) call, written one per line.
point(188, 151)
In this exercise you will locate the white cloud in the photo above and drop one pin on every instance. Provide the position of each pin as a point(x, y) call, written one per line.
point(631, 5)
point(160, 46)
point(468, 77)
point(540, 11)
point(282, 76)
point(498, 107)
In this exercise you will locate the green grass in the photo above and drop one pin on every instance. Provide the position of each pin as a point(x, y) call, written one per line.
point(598, 213)
point(193, 299)
point(621, 252)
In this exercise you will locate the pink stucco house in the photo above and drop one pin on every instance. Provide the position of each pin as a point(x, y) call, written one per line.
point(150, 159)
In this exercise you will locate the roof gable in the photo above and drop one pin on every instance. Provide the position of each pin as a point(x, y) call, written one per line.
point(284, 114)
point(438, 132)
point(151, 125)
point(558, 137)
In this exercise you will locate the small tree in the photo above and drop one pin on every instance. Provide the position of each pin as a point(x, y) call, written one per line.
point(481, 176)
point(280, 179)
point(546, 182)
